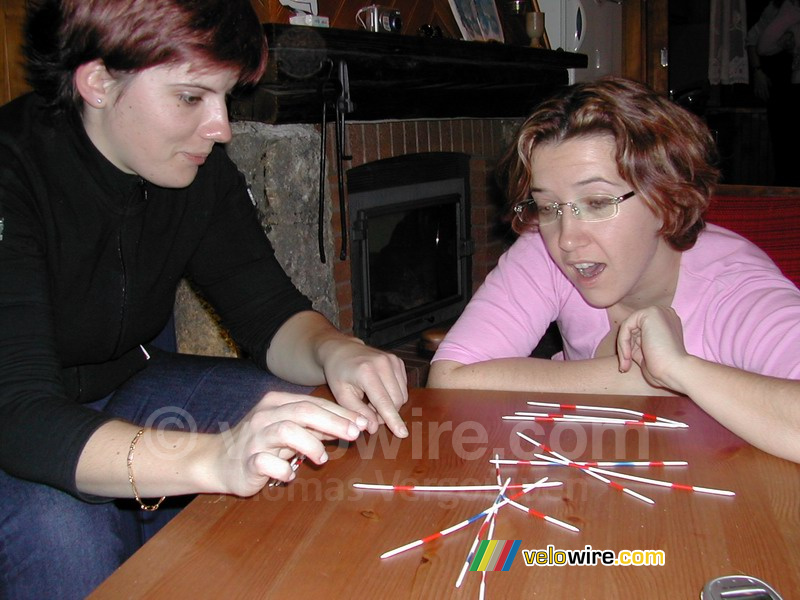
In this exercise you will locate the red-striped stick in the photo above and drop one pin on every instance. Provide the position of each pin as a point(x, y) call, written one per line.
point(464, 523)
point(591, 471)
point(612, 409)
point(490, 535)
point(667, 484)
point(564, 418)
point(447, 488)
point(598, 463)
point(486, 525)
point(539, 515)
point(295, 463)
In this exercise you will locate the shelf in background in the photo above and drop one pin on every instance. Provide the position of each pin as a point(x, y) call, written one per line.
point(394, 76)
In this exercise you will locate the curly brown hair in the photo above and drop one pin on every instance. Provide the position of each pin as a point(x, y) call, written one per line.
point(664, 152)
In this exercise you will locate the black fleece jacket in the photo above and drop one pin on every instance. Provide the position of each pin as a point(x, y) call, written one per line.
point(90, 258)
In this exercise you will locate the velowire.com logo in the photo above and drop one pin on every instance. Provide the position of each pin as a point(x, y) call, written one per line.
point(495, 555)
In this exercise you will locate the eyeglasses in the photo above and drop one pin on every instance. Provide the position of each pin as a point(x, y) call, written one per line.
point(590, 208)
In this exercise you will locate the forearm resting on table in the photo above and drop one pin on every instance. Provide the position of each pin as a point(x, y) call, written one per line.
point(166, 463)
point(765, 411)
point(595, 376)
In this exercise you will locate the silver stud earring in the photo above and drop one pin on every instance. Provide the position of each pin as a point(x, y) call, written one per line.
point(99, 100)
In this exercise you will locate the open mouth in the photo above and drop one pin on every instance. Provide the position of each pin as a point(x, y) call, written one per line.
point(589, 270)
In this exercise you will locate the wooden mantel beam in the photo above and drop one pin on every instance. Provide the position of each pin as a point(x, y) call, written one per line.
point(399, 77)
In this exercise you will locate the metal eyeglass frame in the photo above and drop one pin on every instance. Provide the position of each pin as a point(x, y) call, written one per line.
point(615, 200)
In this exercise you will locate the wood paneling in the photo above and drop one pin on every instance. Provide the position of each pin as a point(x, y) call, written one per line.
point(657, 27)
point(633, 40)
point(13, 81)
point(645, 32)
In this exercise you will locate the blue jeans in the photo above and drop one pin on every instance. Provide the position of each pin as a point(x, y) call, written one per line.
point(53, 545)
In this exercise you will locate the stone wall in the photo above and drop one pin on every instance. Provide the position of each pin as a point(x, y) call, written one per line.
point(281, 164)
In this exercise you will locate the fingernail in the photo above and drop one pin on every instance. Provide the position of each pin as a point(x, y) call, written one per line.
point(322, 459)
point(353, 431)
point(362, 422)
point(402, 432)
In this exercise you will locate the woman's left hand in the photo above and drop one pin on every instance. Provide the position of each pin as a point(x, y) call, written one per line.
point(355, 371)
point(653, 339)
point(309, 350)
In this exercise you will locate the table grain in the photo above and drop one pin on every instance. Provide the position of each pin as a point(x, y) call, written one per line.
point(320, 537)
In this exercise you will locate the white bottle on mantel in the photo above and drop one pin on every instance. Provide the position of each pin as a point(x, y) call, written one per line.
point(591, 27)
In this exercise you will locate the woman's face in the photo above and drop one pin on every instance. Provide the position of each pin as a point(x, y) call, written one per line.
point(622, 262)
point(161, 123)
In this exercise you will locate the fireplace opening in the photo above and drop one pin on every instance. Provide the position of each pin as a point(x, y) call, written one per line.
point(411, 246)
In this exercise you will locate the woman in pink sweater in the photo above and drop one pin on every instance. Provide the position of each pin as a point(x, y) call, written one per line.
point(608, 183)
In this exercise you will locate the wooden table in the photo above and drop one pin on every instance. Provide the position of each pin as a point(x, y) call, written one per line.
point(319, 537)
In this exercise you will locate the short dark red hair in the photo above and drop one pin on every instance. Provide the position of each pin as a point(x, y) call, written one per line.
point(664, 152)
point(132, 35)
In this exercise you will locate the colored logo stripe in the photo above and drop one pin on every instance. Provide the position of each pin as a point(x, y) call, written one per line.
point(495, 555)
point(476, 561)
point(487, 555)
point(507, 557)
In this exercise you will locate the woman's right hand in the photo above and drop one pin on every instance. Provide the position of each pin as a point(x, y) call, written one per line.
point(279, 427)
point(653, 339)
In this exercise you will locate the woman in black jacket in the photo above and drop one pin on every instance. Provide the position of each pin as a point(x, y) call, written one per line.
point(114, 186)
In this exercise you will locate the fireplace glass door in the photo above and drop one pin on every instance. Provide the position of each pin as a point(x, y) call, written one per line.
point(411, 250)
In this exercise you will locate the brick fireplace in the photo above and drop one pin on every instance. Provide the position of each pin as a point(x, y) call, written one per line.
point(482, 139)
point(281, 163)
point(402, 95)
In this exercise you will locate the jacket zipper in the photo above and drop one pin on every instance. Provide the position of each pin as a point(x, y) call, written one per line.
point(124, 270)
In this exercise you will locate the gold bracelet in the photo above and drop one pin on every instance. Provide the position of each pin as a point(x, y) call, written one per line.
point(142, 505)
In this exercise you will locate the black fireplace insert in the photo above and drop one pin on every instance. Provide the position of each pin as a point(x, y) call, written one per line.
point(411, 246)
